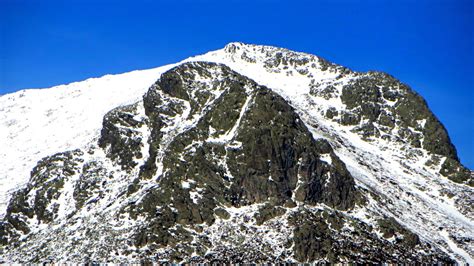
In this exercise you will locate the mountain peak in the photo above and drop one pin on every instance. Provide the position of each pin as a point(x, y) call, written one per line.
point(245, 154)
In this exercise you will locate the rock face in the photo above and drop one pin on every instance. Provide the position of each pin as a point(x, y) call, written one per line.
point(212, 166)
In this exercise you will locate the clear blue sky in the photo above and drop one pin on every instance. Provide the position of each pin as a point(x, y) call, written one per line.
point(426, 44)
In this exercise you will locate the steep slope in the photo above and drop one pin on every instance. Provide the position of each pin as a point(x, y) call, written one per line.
point(326, 164)
point(391, 143)
point(38, 123)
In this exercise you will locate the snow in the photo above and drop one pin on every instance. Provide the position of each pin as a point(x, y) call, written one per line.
point(196, 195)
point(37, 123)
point(228, 136)
point(186, 184)
point(467, 258)
point(413, 185)
point(326, 158)
point(144, 132)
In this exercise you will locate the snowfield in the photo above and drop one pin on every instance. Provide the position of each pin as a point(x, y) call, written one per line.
point(39, 122)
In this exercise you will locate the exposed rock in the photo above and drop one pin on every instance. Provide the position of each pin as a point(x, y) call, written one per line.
point(119, 135)
point(212, 167)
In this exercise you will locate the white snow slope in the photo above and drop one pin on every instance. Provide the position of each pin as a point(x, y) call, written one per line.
point(37, 123)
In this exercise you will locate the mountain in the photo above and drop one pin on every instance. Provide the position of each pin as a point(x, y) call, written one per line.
point(245, 154)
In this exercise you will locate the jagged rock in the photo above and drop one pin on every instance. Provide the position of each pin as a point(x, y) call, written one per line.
point(391, 228)
point(119, 135)
point(38, 201)
point(350, 119)
point(453, 170)
point(214, 167)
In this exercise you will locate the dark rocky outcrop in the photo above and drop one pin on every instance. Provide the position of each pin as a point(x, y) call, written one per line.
point(271, 151)
point(219, 143)
point(119, 136)
point(384, 103)
point(321, 237)
point(38, 200)
point(367, 95)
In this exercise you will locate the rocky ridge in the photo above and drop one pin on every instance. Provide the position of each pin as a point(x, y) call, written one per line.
point(291, 165)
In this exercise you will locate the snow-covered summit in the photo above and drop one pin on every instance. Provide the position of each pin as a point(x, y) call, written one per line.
point(395, 149)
